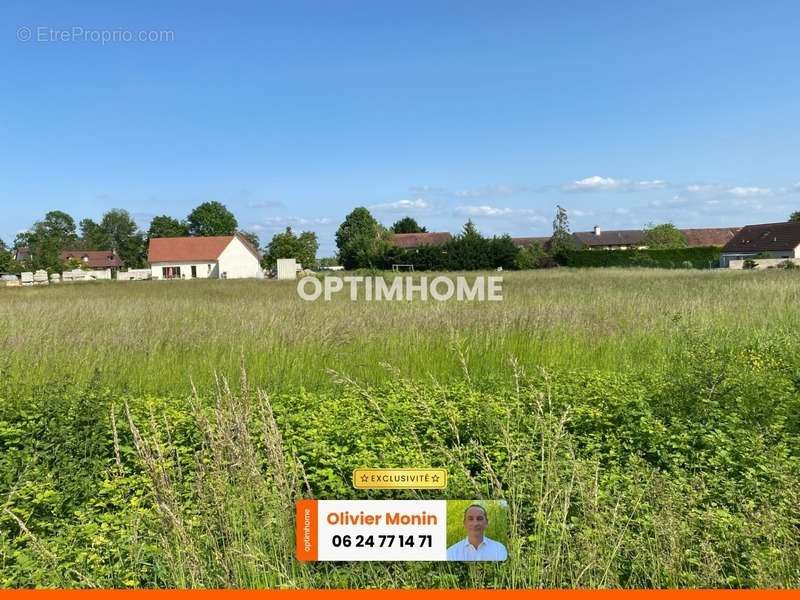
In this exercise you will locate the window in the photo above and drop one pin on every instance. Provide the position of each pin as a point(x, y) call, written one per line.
point(171, 272)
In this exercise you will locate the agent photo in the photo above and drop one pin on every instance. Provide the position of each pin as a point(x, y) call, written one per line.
point(475, 521)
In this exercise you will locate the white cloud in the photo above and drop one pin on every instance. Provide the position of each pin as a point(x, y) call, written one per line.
point(749, 191)
point(592, 183)
point(598, 183)
point(483, 211)
point(416, 205)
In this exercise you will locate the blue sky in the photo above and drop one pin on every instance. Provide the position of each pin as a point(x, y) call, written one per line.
point(293, 113)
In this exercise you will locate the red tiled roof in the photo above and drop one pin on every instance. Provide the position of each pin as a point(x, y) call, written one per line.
point(709, 237)
point(185, 249)
point(94, 259)
point(415, 240)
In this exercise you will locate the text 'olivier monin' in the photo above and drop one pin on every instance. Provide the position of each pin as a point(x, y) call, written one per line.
point(440, 289)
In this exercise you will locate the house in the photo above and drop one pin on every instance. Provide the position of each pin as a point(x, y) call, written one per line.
point(416, 240)
point(598, 239)
point(217, 257)
point(776, 241)
point(93, 260)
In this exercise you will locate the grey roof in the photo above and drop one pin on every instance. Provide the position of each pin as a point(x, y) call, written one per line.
point(621, 237)
point(767, 237)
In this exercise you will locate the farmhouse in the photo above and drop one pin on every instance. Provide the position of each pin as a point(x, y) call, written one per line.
point(93, 260)
point(417, 240)
point(217, 257)
point(776, 241)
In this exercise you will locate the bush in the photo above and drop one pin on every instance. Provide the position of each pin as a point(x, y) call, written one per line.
point(789, 265)
point(696, 258)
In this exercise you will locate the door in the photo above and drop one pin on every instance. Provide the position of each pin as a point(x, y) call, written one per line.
point(194, 272)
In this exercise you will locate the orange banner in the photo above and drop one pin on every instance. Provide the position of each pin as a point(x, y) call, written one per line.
point(306, 530)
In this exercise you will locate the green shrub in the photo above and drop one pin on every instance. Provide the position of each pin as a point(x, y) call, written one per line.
point(697, 258)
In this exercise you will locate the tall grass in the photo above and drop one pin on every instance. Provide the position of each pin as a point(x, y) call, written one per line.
point(157, 336)
point(576, 518)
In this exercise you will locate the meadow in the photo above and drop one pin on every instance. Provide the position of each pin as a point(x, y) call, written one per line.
point(643, 426)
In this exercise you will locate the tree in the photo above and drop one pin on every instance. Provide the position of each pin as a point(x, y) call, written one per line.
point(532, 256)
point(5, 257)
point(503, 252)
point(93, 237)
point(252, 238)
point(164, 226)
point(562, 240)
point(408, 225)
point(663, 236)
point(126, 239)
point(469, 250)
point(360, 239)
point(287, 245)
point(47, 238)
point(795, 217)
point(211, 218)
point(308, 246)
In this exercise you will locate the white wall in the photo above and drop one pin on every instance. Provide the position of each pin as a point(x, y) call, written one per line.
point(237, 261)
point(204, 269)
point(287, 268)
point(762, 263)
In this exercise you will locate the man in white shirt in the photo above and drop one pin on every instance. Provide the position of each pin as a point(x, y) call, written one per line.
point(476, 546)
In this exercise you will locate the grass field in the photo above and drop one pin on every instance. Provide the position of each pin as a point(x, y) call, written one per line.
point(157, 336)
point(643, 426)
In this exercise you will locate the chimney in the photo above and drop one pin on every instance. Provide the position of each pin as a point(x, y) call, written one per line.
point(597, 230)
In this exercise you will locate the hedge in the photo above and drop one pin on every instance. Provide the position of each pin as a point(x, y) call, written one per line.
point(696, 258)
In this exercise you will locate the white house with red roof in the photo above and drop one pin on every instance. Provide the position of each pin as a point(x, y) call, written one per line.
point(217, 257)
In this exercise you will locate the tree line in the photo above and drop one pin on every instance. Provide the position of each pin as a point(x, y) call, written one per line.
point(362, 242)
point(117, 232)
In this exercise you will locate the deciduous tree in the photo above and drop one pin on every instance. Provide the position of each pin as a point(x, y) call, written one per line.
point(407, 225)
point(360, 239)
point(664, 236)
point(287, 245)
point(164, 226)
point(211, 218)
